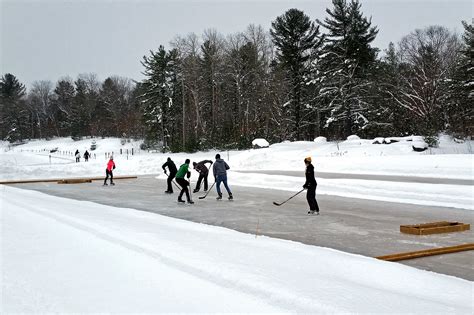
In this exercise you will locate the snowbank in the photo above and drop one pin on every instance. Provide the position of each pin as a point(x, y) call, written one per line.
point(68, 256)
point(260, 143)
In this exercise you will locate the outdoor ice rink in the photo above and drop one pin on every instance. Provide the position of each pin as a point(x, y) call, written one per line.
point(359, 226)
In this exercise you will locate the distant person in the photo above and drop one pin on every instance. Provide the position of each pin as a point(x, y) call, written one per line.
point(172, 173)
point(108, 171)
point(220, 174)
point(86, 156)
point(184, 171)
point(78, 156)
point(310, 185)
point(203, 173)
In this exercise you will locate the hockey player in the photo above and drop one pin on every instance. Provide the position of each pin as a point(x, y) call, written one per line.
point(172, 173)
point(203, 173)
point(310, 186)
point(220, 174)
point(184, 171)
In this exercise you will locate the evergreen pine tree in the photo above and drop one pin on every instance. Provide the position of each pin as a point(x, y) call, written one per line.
point(347, 59)
point(105, 110)
point(13, 113)
point(295, 37)
point(78, 118)
point(461, 96)
point(157, 97)
point(63, 100)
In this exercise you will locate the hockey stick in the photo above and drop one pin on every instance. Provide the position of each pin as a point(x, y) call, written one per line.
point(177, 186)
point(208, 191)
point(190, 191)
point(279, 204)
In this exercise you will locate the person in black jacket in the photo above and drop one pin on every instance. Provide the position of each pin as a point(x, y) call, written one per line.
point(172, 173)
point(203, 173)
point(310, 185)
point(86, 156)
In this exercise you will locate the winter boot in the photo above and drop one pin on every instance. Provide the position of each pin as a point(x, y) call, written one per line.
point(219, 197)
point(230, 196)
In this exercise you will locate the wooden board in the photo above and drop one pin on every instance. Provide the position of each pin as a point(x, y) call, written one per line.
point(75, 181)
point(434, 228)
point(52, 180)
point(427, 252)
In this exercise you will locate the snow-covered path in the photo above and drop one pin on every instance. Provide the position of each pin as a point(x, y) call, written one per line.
point(64, 255)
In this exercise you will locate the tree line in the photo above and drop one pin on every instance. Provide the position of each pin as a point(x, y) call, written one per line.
point(302, 79)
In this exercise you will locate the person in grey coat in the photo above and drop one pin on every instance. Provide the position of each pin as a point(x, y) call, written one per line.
point(220, 174)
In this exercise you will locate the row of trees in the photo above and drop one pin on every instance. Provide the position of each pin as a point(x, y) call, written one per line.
point(307, 78)
point(302, 79)
point(84, 107)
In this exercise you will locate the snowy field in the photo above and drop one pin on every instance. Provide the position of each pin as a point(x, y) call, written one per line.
point(68, 256)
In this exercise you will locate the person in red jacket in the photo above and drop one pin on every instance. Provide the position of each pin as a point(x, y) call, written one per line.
point(108, 171)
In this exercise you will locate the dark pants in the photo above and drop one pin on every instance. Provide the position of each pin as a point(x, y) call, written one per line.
point(222, 179)
point(169, 180)
point(107, 173)
point(184, 184)
point(202, 177)
point(311, 197)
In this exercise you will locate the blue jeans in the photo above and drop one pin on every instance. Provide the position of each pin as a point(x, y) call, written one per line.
point(222, 179)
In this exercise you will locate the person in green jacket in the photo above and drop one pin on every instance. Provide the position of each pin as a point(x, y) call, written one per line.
point(184, 171)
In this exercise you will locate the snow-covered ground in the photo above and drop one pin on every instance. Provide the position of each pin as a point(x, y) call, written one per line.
point(67, 256)
point(451, 160)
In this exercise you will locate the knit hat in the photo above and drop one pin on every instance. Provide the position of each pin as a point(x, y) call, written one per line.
point(307, 159)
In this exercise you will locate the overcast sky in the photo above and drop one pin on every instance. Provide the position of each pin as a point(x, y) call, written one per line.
point(46, 40)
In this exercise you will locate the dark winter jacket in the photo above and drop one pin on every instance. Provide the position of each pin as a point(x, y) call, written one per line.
point(171, 166)
point(86, 155)
point(220, 167)
point(201, 167)
point(310, 180)
point(183, 170)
